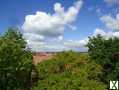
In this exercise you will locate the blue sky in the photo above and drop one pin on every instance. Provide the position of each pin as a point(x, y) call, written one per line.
point(91, 17)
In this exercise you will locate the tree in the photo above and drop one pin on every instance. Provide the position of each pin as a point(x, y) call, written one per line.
point(106, 53)
point(69, 71)
point(15, 61)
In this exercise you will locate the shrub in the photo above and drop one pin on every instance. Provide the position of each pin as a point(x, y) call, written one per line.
point(69, 71)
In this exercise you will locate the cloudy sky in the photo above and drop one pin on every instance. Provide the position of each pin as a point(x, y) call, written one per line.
point(56, 25)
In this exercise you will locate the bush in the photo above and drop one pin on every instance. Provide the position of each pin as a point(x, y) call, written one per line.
point(69, 71)
point(15, 61)
point(106, 53)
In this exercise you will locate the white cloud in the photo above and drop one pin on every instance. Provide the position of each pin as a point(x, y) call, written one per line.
point(47, 24)
point(106, 35)
point(76, 43)
point(72, 12)
point(99, 31)
point(43, 23)
point(58, 46)
point(33, 37)
point(112, 2)
point(110, 22)
point(59, 9)
point(44, 31)
point(60, 38)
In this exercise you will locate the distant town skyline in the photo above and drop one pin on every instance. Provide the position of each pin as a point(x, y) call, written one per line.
point(56, 25)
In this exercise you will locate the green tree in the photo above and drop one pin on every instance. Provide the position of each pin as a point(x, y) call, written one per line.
point(69, 71)
point(15, 61)
point(106, 53)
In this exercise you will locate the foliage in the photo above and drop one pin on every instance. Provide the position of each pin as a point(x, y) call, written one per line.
point(106, 53)
point(69, 71)
point(15, 61)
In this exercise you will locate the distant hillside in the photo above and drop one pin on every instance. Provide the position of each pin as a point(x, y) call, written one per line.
point(41, 56)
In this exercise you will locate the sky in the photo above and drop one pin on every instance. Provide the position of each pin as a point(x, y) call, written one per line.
point(58, 25)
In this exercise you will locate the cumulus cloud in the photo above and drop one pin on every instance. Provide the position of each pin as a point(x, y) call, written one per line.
point(111, 22)
point(44, 31)
point(51, 24)
point(112, 2)
point(76, 43)
point(106, 35)
point(99, 31)
point(33, 37)
point(46, 47)
point(64, 45)
point(44, 24)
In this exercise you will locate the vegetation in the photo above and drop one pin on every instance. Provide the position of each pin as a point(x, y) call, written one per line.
point(69, 71)
point(76, 71)
point(15, 61)
point(106, 53)
point(65, 71)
